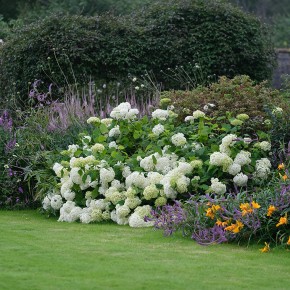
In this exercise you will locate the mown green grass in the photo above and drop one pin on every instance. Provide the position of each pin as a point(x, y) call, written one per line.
point(39, 253)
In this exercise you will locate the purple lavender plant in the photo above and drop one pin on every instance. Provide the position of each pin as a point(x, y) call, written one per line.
point(169, 218)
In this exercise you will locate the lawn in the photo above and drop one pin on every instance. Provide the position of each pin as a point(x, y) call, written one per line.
point(39, 253)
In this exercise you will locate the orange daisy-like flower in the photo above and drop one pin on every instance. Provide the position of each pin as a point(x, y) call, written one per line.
point(288, 242)
point(271, 209)
point(266, 249)
point(281, 166)
point(282, 221)
point(235, 228)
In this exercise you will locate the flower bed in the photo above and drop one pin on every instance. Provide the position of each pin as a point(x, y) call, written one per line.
point(129, 166)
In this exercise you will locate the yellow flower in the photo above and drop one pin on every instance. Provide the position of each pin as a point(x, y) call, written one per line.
point(281, 166)
point(282, 221)
point(288, 242)
point(246, 208)
point(255, 205)
point(210, 212)
point(235, 228)
point(271, 209)
point(266, 249)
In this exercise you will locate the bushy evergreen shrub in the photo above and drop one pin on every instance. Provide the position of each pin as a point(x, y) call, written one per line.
point(222, 39)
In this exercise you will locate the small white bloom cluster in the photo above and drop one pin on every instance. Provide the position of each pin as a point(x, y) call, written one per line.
point(264, 145)
point(158, 129)
point(124, 111)
point(198, 114)
point(160, 114)
point(217, 186)
point(93, 120)
point(241, 179)
point(178, 139)
point(262, 167)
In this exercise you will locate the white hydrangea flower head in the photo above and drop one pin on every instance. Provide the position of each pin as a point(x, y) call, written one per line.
point(136, 179)
point(198, 114)
point(124, 111)
point(72, 149)
point(130, 192)
point(228, 140)
point(234, 169)
point(75, 176)
point(196, 164)
point(243, 158)
point(122, 211)
point(126, 171)
point(265, 146)
point(160, 114)
point(56, 202)
point(182, 184)
point(178, 139)
point(115, 132)
point(219, 159)
point(46, 203)
point(150, 192)
point(93, 120)
point(113, 144)
point(66, 186)
point(57, 168)
point(136, 221)
point(158, 129)
point(225, 149)
point(107, 175)
point(147, 163)
point(189, 119)
point(241, 179)
point(69, 195)
point(97, 148)
point(107, 121)
point(132, 202)
point(217, 186)
point(160, 201)
point(154, 177)
point(85, 216)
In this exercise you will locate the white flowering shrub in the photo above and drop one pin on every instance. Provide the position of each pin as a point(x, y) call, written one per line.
point(128, 166)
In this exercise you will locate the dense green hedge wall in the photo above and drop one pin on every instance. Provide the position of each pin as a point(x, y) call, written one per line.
point(220, 38)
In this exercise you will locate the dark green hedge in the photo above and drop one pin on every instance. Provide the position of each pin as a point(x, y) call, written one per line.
point(220, 38)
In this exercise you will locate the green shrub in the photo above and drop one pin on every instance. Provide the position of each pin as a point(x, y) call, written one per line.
point(67, 49)
point(237, 95)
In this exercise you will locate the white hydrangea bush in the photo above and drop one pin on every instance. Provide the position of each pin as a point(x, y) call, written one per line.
point(130, 165)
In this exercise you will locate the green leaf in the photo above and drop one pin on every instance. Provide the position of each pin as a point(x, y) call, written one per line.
point(103, 129)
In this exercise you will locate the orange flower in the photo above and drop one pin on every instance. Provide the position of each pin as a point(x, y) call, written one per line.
point(288, 242)
point(246, 208)
point(266, 249)
point(281, 166)
point(255, 205)
point(235, 228)
point(210, 212)
point(271, 209)
point(284, 177)
point(221, 224)
point(282, 221)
